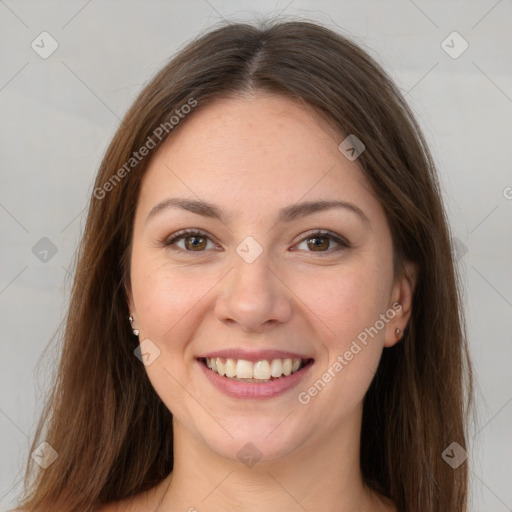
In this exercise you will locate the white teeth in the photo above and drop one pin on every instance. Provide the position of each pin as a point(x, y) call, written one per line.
point(221, 370)
point(260, 370)
point(230, 368)
point(287, 367)
point(244, 369)
point(276, 368)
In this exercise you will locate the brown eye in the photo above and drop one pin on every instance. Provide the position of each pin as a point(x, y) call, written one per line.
point(321, 242)
point(318, 243)
point(198, 242)
point(193, 241)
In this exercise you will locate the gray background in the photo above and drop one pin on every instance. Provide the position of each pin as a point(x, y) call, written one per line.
point(59, 113)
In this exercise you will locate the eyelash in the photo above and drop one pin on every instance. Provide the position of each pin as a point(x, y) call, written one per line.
point(343, 244)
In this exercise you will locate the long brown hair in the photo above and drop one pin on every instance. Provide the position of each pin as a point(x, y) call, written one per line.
point(112, 433)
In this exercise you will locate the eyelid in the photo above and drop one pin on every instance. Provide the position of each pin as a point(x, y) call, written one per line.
point(324, 232)
point(168, 241)
point(342, 242)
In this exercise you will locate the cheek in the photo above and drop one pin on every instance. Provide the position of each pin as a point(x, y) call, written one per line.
point(167, 300)
point(166, 297)
point(347, 307)
point(346, 300)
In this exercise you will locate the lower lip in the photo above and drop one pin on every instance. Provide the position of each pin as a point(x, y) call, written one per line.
point(237, 389)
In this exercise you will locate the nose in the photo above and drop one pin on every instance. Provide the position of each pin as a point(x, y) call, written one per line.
point(254, 296)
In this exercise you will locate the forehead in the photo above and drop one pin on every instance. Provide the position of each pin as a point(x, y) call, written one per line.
point(264, 150)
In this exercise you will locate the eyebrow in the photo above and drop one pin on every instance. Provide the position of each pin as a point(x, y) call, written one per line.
point(287, 214)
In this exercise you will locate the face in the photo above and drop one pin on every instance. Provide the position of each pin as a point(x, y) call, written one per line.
point(266, 283)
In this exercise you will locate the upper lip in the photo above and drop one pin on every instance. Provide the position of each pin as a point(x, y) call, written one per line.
point(257, 355)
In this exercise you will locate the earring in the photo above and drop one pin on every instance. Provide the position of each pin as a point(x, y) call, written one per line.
point(135, 331)
point(398, 332)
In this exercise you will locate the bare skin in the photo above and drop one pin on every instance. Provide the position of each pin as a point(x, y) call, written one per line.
point(251, 157)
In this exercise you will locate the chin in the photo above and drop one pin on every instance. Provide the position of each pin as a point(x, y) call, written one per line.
point(256, 441)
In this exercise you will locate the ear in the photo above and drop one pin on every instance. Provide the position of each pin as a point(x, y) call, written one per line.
point(401, 303)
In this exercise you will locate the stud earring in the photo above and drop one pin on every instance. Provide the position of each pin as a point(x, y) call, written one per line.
point(398, 333)
point(135, 331)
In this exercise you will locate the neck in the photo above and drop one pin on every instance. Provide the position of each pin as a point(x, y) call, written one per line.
point(321, 474)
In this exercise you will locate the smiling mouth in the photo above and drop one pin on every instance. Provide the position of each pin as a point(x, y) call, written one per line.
point(262, 371)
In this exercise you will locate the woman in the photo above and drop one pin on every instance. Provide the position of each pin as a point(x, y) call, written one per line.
point(265, 313)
